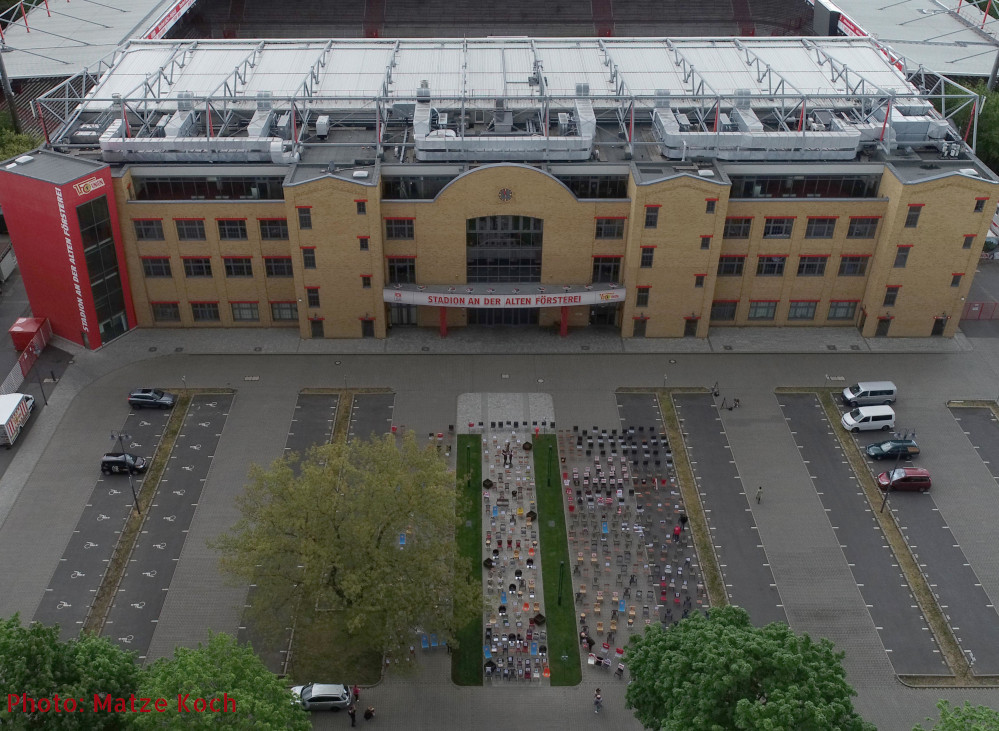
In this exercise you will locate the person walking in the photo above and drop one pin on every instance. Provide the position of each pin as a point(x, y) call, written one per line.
point(598, 701)
point(759, 494)
point(356, 691)
point(352, 712)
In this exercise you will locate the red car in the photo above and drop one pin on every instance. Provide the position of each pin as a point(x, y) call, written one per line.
point(905, 478)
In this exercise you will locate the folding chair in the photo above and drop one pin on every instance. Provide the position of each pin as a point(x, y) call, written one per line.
point(425, 643)
point(433, 641)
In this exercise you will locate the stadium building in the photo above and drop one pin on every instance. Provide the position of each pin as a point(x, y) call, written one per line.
point(657, 186)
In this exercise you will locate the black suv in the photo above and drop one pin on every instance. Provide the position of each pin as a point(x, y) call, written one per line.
point(123, 462)
point(151, 397)
point(893, 448)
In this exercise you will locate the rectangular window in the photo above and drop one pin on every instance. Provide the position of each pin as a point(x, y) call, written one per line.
point(166, 311)
point(365, 281)
point(723, 310)
point(969, 241)
point(901, 257)
point(842, 309)
point(232, 229)
point(304, 220)
point(274, 229)
point(148, 229)
point(205, 311)
point(245, 312)
point(912, 217)
point(891, 296)
point(651, 216)
point(308, 258)
point(737, 228)
point(647, 255)
point(190, 229)
point(363, 242)
point(812, 266)
point(399, 228)
point(980, 204)
point(853, 266)
point(778, 228)
point(699, 280)
point(362, 207)
point(642, 297)
point(313, 296)
point(762, 309)
point(402, 271)
point(862, 228)
point(610, 228)
point(955, 280)
point(730, 266)
point(606, 269)
point(770, 266)
point(801, 310)
point(284, 311)
point(278, 266)
point(820, 228)
point(156, 267)
point(238, 266)
point(198, 267)
point(709, 205)
point(706, 242)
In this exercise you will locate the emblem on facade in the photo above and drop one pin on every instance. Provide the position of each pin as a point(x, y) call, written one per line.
point(506, 195)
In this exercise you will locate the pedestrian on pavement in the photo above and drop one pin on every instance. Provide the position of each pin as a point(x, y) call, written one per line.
point(598, 701)
point(735, 403)
point(759, 494)
point(676, 534)
point(357, 693)
point(352, 712)
point(369, 713)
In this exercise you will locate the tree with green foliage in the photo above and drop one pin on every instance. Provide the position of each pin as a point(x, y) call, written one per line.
point(357, 541)
point(36, 665)
point(964, 718)
point(219, 684)
point(13, 144)
point(722, 672)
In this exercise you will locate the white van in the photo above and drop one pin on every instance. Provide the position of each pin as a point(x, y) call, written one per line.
point(869, 418)
point(869, 393)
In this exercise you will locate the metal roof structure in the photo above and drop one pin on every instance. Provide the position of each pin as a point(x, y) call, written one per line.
point(502, 99)
point(951, 37)
point(56, 38)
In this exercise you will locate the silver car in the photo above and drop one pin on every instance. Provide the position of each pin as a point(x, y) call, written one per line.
point(322, 696)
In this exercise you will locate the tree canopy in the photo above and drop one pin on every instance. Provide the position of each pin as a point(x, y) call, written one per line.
point(720, 673)
point(13, 144)
point(245, 693)
point(358, 539)
point(36, 664)
point(964, 718)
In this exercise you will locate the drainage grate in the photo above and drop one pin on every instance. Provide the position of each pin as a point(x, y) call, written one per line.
point(854, 347)
point(257, 349)
point(152, 349)
point(830, 347)
point(727, 347)
point(178, 350)
point(584, 347)
point(425, 348)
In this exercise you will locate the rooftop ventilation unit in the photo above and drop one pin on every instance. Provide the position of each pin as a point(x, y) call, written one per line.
point(582, 89)
point(264, 101)
point(185, 101)
point(423, 93)
point(743, 99)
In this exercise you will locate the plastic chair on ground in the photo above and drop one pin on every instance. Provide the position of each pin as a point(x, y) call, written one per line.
point(424, 642)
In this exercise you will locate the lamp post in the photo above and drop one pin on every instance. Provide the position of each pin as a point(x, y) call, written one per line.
point(561, 574)
point(120, 436)
point(549, 465)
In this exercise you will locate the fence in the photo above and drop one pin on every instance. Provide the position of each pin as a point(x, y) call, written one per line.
point(26, 360)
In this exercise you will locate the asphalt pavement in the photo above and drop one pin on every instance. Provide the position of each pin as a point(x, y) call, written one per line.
point(371, 414)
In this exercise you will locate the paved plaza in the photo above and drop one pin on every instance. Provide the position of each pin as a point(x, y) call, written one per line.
point(52, 473)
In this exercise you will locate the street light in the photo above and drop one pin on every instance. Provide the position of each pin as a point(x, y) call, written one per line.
point(561, 573)
point(120, 436)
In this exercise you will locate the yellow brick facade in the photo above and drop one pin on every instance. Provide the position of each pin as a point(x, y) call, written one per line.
point(683, 281)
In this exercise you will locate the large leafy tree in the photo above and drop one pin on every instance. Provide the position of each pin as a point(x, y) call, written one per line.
point(965, 718)
point(720, 673)
point(13, 144)
point(246, 695)
point(356, 540)
point(34, 663)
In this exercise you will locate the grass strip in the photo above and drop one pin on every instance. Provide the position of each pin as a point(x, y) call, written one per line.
point(466, 660)
point(706, 556)
point(561, 624)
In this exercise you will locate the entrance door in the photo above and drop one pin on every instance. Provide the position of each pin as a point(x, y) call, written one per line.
point(402, 314)
point(604, 315)
point(639, 331)
point(503, 316)
point(882, 329)
point(938, 326)
point(367, 328)
point(316, 327)
point(690, 329)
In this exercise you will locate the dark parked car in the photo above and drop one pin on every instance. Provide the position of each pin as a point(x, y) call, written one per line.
point(892, 449)
point(905, 478)
point(123, 462)
point(151, 398)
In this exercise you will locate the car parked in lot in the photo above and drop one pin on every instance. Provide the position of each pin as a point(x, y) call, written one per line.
point(893, 449)
point(905, 478)
point(152, 398)
point(322, 696)
point(115, 462)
